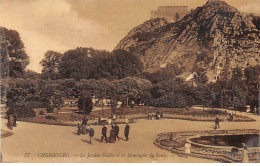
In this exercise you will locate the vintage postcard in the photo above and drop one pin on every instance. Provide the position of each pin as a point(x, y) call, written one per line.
point(130, 81)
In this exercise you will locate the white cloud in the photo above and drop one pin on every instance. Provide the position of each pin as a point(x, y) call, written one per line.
point(50, 25)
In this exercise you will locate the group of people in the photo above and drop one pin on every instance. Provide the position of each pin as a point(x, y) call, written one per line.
point(152, 116)
point(230, 117)
point(114, 133)
point(111, 118)
point(11, 121)
point(84, 129)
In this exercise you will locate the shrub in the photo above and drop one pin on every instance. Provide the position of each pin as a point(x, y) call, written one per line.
point(22, 112)
point(49, 109)
point(50, 117)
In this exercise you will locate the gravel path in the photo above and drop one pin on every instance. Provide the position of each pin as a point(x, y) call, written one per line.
point(38, 139)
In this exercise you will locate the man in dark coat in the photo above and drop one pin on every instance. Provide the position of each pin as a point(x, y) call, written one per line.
point(217, 120)
point(91, 134)
point(104, 133)
point(117, 131)
point(79, 129)
point(127, 129)
point(14, 120)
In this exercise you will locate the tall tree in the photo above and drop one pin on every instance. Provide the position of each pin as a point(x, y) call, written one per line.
point(85, 102)
point(57, 99)
point(50, 64)
point(13, 56)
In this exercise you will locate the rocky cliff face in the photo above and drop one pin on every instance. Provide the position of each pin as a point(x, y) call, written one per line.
point(210, 37)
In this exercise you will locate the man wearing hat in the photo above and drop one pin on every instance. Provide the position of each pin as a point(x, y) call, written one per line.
point(127, 129)
point(117, 131)
point(104, 133)
point(91, 134)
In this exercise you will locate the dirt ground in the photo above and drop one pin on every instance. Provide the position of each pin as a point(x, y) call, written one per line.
point(32, 142)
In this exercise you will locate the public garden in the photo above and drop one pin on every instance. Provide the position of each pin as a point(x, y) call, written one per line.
point(46, 128)
point(144, 144)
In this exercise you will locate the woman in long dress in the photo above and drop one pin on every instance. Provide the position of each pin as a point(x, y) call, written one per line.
point(245, 158)
point(83, 129)
point(11, 122)
point(112, 136)
point(187, 148)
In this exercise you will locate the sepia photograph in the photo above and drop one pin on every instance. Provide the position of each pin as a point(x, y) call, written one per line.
point(130, 81)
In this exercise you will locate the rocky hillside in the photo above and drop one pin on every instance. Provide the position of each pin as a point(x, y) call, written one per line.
point(210, 37)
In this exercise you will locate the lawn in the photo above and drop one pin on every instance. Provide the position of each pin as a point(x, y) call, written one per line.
point(71, 116)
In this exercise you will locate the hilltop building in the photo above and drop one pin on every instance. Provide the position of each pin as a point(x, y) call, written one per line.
point(213, 0)
point(170, 13)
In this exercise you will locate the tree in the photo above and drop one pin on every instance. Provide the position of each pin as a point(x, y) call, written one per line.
point(252, 74)
point(22, 94)
point(163, 74)
point(125, 64)
point(69, 87)
point(57, 99)
point(88, 63)
point(50, 64)
point(172, 93)
point(13, 56)
point(238, 88)
point(85, 103)
point(125, 89)
point(29, 74)
point(21, 98)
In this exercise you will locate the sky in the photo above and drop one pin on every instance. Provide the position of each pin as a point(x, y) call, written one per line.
point(60, 25)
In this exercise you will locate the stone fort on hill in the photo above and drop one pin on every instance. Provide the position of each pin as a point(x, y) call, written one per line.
point(170, 13)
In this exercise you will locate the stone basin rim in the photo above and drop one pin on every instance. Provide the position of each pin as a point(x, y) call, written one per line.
point(188, 139)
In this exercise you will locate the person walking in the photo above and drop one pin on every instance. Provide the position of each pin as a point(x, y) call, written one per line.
point(149, 116)
point(217, 120)
point(91, 134)
point(117, 131)
point(127, 129)
point(104, 133)
point(84, 130)
point(11, 122)
point(112, 136)
point(14, 120)
point(8, 120)
point(187, 148)
point(79, 129)
point(231, 117)
point(245, 158)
